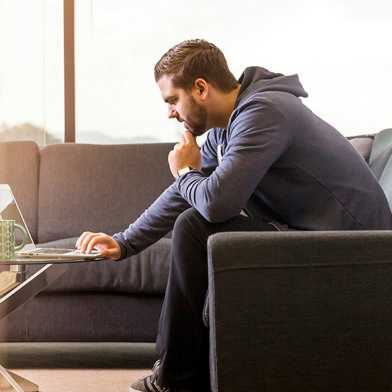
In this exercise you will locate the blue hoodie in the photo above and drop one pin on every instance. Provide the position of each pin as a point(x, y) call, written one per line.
point(276, 161)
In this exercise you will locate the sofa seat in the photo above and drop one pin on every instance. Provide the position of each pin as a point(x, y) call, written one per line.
point(84, 317)
point(145, 273)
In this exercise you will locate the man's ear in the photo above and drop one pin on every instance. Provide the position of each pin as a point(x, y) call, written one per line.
point(201, 88)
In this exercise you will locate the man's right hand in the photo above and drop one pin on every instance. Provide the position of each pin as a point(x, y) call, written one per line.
point(103, 242)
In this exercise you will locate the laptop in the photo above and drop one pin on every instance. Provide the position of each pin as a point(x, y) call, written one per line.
point(9, 209)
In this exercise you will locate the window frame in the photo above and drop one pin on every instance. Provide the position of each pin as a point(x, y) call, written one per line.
point(69, 71)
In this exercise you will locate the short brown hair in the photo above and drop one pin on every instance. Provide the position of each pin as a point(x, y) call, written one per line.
point(194, 59)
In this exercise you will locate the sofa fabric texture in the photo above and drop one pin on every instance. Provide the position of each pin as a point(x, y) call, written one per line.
point(380, 161)
point(84, 317)
point(300, 311)
point(363, 145)
point(97, 187)
point(19, 167)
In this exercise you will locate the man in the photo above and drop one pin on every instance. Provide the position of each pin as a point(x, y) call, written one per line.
point(268, 163)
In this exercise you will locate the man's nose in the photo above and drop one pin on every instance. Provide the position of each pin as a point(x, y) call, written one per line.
point(172, 113)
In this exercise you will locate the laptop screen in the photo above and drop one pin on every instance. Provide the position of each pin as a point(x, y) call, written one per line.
point(9, 210)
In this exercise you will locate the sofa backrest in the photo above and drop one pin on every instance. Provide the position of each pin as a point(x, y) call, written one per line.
point(19, 167)
point(71, 188)
point(99, 188)
point(380, 161)
point(363, 145)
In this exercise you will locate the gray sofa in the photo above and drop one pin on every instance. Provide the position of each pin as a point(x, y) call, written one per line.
point(288, 311)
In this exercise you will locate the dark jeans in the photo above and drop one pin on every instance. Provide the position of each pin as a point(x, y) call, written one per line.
point(182, 341)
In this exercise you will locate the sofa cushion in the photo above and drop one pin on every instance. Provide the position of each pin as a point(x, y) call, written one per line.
point(363, 145)
point(380, 162)
point(19, 167)
point(144, 273)
point(98, 187)
point(83, 317)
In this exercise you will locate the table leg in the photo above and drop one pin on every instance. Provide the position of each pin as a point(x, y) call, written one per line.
point(20, 271)
point(11, 382)
point(12, 278)
point(26, 289)
point(8, 281)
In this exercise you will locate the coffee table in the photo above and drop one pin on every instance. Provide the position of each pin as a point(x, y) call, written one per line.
point(27, 287)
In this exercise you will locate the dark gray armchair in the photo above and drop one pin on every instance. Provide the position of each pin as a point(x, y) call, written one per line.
point(301, 311)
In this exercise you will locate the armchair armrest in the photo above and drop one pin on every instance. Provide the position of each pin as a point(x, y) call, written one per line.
point(300, 311)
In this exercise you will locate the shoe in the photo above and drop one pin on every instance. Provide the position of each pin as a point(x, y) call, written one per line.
point(149, 383)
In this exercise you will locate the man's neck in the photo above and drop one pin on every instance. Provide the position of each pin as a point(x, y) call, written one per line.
point(226, 107)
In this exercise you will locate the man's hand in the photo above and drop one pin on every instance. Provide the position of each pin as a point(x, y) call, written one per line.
point(104, 243)
point(185, 153)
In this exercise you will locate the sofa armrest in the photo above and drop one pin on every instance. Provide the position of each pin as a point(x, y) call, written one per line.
point(300, 311)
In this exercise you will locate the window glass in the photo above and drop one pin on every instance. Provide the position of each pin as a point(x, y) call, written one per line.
point(339, 49)
point(31, 71)
point(117, 100)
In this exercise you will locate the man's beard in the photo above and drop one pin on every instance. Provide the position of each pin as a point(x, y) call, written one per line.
point(197, 119)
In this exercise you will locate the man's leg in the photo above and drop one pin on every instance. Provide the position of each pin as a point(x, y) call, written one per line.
point(182, 341)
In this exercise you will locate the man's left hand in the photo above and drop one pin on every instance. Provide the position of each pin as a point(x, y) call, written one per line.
point(185, 153)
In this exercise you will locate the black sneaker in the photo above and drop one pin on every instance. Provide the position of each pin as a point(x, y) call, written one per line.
point(149, 383)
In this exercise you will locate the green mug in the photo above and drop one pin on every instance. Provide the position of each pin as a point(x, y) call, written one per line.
point(7, 239)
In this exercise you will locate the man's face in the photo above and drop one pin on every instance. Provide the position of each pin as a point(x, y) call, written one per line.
point(183, 106)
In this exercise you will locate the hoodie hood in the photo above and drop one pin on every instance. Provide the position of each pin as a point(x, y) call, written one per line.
point(257, 79)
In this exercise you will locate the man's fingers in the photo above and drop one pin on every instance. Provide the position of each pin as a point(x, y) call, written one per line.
point(81, 238)
point(86, 241)
point(98, 239)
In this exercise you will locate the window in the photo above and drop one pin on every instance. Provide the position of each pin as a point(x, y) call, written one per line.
point(31, 71)
point(347, 69)
point(117, 100)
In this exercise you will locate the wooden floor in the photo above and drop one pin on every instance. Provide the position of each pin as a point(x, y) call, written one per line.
point(74, 367)
point(83, 380)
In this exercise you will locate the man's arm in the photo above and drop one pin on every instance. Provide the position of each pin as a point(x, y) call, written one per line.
point(153, 224)
point(259, 135)
point(159, 218)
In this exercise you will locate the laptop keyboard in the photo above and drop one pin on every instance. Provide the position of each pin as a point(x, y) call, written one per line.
point(58, 251)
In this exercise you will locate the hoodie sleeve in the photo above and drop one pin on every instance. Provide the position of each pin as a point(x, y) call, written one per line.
point(159, 218)
point(155, 222)
point(258, 136)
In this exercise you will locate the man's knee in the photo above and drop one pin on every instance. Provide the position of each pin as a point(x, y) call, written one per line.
point(188, 220)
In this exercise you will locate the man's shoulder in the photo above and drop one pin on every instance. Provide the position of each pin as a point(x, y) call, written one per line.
point(261, 109)
point(267, 100)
